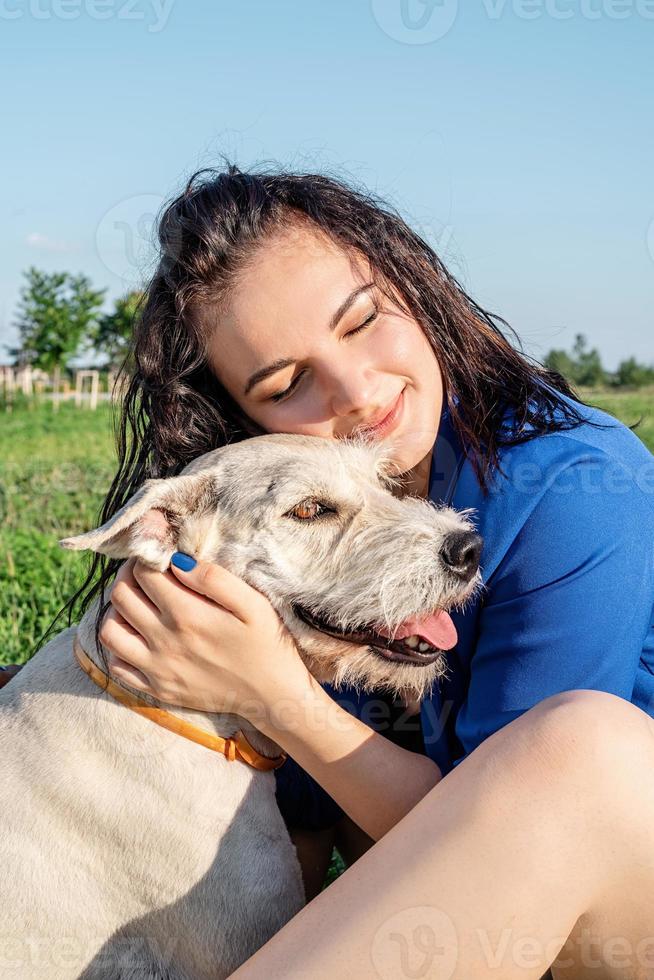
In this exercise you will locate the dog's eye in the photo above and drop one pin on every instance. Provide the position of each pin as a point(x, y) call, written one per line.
point(310, 510)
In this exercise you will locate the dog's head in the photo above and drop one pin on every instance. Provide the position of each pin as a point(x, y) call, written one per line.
point(361, 578)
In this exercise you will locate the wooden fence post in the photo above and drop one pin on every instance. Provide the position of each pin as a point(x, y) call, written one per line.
point(80, 377)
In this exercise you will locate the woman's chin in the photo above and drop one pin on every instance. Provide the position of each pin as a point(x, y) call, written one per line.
point(411, 454)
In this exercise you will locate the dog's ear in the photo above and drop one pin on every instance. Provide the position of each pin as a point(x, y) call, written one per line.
point(149, 524)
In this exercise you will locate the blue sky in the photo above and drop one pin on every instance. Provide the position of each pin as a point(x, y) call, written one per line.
point(516, 135)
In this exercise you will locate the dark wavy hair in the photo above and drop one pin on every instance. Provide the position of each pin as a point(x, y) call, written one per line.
point(174, 407)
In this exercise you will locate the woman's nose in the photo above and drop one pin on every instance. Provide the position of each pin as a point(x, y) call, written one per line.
point(352, 393)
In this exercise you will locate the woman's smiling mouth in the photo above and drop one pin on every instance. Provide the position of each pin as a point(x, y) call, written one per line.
point(386, 424)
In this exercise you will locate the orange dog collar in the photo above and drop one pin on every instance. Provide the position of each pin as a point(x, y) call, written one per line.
point(235, 747)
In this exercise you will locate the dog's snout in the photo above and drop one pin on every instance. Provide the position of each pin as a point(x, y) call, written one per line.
point(461, 551)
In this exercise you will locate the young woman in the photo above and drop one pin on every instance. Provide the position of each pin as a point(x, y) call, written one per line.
point(286, 303)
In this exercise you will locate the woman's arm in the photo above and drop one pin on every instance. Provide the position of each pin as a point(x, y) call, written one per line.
point(204, 639)
point(374, 781)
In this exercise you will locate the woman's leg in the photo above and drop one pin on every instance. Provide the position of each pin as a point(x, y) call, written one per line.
point(544, 832)
point(314, 850)
point(350, 841)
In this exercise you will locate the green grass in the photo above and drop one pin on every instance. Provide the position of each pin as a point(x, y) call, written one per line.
point(55, 468)
point(54, 472)
point(629, 407)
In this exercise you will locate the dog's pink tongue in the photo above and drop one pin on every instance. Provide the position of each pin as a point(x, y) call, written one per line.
point(437, 629)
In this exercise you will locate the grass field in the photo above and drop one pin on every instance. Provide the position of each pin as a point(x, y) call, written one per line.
point(55, 469)
point(629, 407)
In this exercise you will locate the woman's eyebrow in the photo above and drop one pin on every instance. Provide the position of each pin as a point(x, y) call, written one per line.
point(283, 362)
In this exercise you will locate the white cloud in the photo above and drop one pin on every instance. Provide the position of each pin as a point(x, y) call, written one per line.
point(37, 240)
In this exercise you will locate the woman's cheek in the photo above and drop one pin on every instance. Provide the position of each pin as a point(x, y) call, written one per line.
point(395, 347)
point(303, 414)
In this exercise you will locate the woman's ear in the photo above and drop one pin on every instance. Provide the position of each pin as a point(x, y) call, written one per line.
point(149, 525)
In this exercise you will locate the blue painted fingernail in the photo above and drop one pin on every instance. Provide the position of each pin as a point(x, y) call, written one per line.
point(183, 561)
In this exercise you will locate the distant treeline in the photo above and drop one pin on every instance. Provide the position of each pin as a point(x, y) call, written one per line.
point(583, 367)
point(59, 318)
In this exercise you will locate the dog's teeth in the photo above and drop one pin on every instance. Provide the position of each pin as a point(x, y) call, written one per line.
point(412, 641)
point(423, 647)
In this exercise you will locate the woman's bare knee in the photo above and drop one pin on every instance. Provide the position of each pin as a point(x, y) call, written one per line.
point(576, 757)
point(591, 734)
point(593, 749)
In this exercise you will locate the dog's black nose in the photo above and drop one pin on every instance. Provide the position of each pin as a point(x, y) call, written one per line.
point(461, 551)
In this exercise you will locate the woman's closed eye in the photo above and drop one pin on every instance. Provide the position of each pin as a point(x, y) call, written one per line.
point(280, 395)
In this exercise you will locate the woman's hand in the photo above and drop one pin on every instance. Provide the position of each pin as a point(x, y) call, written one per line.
point(204, 639)
point(201, 639)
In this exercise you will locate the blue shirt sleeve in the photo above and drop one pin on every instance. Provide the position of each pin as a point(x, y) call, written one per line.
point(569, 605)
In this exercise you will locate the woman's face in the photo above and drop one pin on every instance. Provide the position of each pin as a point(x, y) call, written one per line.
point(306, 346)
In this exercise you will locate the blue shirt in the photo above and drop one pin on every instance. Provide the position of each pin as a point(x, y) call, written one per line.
point(568, 598)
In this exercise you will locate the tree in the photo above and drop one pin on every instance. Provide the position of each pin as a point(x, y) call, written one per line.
point(561, 362)
point(584, 367)
point(57, 313)
point(633, 375)
point(581, 367)
point(115, 330)
point(589, 368)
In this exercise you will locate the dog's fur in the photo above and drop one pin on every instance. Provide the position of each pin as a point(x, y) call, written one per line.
point(130, 852)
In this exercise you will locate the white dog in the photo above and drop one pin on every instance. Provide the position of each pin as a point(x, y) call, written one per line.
point(130, 851)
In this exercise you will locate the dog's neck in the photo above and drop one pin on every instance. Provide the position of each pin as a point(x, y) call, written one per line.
point(224, 725)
